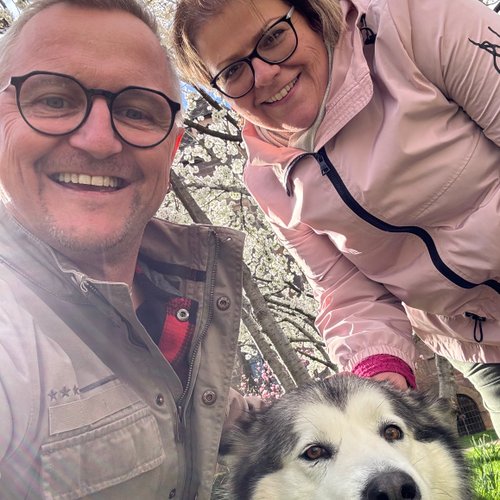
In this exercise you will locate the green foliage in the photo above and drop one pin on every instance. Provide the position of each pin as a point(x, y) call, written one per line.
point(470, 440)
point(484, 459)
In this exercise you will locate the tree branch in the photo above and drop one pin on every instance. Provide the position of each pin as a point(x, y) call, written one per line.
point(214, 133)
point(218, 187)
point(328, 363)
point(287, 308)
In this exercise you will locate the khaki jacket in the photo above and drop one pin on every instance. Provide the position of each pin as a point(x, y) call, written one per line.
point(393, 209)
point(89, 407)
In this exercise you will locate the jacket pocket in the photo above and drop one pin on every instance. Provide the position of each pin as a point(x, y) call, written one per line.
point(92, 458)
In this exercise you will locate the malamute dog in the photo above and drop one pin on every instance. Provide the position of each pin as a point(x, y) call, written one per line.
point(347, 438)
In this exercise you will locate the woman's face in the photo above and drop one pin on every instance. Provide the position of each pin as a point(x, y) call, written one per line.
point(286, 96)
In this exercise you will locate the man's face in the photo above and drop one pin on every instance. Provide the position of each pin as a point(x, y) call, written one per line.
point(102, 49)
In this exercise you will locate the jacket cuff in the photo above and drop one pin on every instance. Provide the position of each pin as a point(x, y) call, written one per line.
point(378, 363)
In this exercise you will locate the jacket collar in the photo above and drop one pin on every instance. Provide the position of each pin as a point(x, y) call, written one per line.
point(167, 249)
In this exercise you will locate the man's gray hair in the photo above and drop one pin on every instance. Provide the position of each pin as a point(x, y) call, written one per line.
point(135, 7)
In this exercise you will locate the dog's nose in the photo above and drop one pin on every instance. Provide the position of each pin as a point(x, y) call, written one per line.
point(393, 485)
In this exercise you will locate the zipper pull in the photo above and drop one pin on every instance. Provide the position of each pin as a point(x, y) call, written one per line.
point(322, 163)
point(180, 430)
point(368, 35)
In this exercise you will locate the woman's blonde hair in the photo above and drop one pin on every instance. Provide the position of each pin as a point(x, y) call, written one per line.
point(323, 16)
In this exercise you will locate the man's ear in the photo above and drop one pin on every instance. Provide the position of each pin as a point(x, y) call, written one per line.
point(177, 143)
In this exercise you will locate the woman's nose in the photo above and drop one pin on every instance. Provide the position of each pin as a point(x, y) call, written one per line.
point(264, 72)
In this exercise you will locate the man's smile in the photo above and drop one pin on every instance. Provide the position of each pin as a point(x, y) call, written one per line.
point(86, 180)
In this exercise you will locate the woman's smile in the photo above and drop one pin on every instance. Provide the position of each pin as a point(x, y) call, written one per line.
point(283, 92)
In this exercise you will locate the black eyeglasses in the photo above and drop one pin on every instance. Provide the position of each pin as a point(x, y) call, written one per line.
point(57, 104)
point(275, 46)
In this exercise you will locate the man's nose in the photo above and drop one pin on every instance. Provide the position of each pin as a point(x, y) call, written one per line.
point(264, 72)
point(96, 136)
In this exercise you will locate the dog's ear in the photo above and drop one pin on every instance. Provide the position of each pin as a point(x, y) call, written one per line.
point(439, 419)
point(234, 434)
point(444, 410)
point(241, 413)
point(444, 406)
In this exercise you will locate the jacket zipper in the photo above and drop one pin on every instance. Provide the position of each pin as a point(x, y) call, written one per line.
point(181, 426)
point(328, 169)
point(202, 335)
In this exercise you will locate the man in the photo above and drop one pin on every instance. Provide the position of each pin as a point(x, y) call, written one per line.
point(117, 332)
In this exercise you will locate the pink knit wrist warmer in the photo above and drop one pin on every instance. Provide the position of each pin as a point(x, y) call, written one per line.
point(379, 363)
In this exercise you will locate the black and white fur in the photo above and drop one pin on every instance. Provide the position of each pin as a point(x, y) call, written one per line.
point(347, 438)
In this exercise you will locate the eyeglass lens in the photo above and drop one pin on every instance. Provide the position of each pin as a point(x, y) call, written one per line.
point(276, 45)
point(57, 105)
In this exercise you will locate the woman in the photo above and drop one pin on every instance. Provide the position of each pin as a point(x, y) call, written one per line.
point(373, 132)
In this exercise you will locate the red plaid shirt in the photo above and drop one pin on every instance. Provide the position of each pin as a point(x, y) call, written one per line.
point(169, 320)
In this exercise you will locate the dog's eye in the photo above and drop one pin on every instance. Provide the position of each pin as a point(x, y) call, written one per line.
point(392, 433)
point(316, 452)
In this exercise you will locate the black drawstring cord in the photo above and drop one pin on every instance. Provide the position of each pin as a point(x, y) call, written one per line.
point(368, 34)
point(478, 321)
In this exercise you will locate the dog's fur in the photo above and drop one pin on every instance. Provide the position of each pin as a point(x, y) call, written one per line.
point(347, 438)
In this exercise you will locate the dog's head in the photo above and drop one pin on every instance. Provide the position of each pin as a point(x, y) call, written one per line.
point(347, 438)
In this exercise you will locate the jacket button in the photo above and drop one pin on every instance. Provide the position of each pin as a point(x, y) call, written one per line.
point(209, 397)
point(172, 493)
point(223, 303)
point(160, 399)
point(182, 314)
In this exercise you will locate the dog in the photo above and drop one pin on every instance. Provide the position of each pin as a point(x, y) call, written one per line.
point(347, 438)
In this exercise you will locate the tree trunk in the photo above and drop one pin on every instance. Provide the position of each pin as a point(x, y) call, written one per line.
point(271, 328)
point(447, 385)
point(446, 378)
point(267, 353)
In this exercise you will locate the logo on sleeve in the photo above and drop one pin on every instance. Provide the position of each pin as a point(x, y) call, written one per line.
point(490, 47)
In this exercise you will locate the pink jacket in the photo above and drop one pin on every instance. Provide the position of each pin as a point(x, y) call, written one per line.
point(394, 212)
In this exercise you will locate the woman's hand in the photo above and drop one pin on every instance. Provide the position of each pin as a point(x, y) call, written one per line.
point(397, 380)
